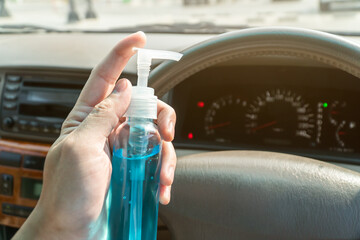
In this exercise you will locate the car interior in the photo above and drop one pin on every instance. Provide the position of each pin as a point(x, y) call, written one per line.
point(267, 132)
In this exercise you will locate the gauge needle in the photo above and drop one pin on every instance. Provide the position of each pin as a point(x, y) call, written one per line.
point(219, 125)
point(341, 133)
point(264, 126)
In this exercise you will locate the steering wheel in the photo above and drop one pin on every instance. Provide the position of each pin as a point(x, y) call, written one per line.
point(255, 194)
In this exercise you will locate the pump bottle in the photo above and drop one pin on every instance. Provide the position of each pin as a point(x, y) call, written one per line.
point(133, 197)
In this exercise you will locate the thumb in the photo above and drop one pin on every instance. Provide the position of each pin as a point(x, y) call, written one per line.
point(106, 115)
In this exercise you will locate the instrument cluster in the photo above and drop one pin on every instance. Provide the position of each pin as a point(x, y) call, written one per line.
point(279, 113)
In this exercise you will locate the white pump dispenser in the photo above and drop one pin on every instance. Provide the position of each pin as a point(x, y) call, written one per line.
point(143, 101)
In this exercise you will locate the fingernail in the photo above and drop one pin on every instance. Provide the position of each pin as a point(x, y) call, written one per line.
point(141, 32)
point(121, 85)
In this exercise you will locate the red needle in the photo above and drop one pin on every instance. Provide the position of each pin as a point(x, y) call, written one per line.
point(264, 126)
point(341, 133)
point(219, 125)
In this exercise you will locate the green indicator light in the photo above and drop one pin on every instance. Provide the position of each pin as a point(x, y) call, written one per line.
point(325, 105)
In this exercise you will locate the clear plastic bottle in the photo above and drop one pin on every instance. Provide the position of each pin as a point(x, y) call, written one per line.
point(136, 172)
point(131, 208)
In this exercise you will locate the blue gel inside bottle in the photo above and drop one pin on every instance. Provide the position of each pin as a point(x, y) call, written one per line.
point(123, 189)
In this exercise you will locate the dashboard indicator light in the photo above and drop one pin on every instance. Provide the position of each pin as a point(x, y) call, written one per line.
point(325, 105)
point(200, 104)
point(190, 136)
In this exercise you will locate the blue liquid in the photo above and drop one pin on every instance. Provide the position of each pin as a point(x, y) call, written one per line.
point(122, 223)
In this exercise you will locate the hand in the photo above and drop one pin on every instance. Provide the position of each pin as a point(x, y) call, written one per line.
point(78, 168)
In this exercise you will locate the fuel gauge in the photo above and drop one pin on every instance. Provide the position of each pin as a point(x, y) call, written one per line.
point(337, 112)
point(347, 134)
point(346, 125)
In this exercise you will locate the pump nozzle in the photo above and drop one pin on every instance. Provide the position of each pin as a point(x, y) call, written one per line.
point(144, 62)
point(143, 102)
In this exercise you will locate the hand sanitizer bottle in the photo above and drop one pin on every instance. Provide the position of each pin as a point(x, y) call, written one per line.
point(133, 197)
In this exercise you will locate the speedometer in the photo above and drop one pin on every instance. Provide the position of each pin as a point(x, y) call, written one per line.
point(280, 117)
point(224, 120)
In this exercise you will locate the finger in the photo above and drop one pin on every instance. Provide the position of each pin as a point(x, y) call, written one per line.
point(114, 132)
point(165, 194)
point(168, 164)
point(104, 76)
point(105, 115)
point(166, 121)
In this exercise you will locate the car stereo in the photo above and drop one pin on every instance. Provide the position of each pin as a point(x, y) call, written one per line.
point(34, 107)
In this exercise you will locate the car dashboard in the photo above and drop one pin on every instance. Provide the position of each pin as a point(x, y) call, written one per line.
point(288, 105)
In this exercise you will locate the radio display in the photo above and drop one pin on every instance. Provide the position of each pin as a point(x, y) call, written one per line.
point(45, 110)
point(45, 97)
point(51, 103)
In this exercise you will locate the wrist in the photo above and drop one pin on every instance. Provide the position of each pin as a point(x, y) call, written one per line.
point(42, 225)
point(34, 227)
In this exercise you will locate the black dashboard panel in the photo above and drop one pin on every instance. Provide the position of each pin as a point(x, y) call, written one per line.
point(289, 109)
point(34, 103)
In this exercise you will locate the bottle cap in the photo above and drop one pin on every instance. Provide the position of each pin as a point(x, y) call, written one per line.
point(143, 102)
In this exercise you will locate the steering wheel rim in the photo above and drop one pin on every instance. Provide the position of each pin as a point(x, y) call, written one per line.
point(265, 41)
point(337, 208)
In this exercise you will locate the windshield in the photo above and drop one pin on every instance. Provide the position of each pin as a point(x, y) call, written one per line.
point(204, 16)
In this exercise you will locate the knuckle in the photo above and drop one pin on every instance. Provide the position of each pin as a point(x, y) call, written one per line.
point(104, 106)
point(68, 123)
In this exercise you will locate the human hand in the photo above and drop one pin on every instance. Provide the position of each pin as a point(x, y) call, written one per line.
point(78, 165)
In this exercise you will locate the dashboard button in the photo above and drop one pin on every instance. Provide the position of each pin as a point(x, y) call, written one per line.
point(23, 211)
point(12, 87)
point(10, 105)
point(8, 209)
point(8, 122)
point(23, 124)
point(34, 162)
point(57, 128)
point(13, 78)
point(15, 210)
point(45, 128)
point(10, 159)
point(34, 126)
point(11, 96)
point(6, 184)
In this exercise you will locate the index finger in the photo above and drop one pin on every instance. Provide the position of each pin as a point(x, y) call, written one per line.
point(104, 76)
point(166, 120)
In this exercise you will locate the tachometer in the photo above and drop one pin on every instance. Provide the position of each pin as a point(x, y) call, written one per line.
point(224, 119)
point(280, 117)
